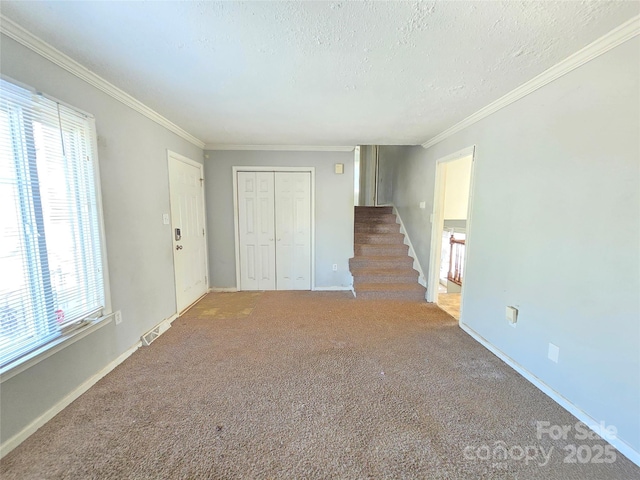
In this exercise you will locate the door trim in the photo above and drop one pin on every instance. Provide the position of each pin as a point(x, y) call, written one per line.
point(236, 231)
point(437, 223)
point(181, 158)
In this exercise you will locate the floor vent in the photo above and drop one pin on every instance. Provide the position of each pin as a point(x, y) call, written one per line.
point(155, 332)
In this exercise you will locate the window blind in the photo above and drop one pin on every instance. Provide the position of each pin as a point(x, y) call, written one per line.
point(51, 276)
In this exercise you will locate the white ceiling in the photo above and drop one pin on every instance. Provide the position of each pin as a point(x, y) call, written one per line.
point(318, 73)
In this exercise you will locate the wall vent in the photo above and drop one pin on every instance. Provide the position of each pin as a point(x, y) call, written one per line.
point(155, 332)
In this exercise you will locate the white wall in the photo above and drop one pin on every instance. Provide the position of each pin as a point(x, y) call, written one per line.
point(456, 188)
point(367, 175)
point(554, 230)
point(133, 167)
point(334, 211)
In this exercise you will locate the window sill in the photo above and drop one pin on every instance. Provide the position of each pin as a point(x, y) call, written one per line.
point(31, 359)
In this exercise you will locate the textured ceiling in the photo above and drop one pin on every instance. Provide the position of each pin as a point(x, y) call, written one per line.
point(318, 73)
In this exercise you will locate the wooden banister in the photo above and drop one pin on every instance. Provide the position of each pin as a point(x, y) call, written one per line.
point(456, 260)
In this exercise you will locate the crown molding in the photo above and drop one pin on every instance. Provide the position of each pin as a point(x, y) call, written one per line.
point(615, 37)
point(292, 148)
point(42, 48)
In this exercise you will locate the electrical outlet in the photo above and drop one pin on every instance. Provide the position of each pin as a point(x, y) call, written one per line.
point(118, 317)
point(554, 352)
point(335, 267)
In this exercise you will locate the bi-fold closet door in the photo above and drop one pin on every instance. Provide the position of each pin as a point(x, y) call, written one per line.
point(274, 230)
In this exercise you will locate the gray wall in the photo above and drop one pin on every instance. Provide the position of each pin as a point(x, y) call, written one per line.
point(387, 156)
point(135, 189)
point(334, 211)
point(554, 230)
point(413, 181)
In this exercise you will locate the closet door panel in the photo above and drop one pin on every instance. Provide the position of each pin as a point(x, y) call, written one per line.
point(256, 230)
point(293, 230)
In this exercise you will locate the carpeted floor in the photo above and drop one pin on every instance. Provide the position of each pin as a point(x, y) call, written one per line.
point(309, 385)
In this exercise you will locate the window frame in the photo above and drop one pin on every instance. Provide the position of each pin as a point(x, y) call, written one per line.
point(65, 339)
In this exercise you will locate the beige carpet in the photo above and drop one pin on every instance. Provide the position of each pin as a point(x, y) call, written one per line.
point(307, 385)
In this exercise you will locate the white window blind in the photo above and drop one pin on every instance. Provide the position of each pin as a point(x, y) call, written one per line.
point(51, 276)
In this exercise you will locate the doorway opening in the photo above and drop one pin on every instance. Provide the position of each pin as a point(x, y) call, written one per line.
point(366, 173)
point(450, 231)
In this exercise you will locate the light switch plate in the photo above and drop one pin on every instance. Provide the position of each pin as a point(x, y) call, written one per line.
point(339, 168)
point(512, 315)
point(423, 205)
point(165, 218)
point(554, 352)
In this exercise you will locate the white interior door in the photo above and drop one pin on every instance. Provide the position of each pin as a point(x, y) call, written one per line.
point(293, 230)
point(256, 230)
point(188, 230)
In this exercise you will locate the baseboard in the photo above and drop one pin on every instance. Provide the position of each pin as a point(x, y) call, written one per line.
point(412, 253)
point(333, 289)
point(223, 289)
point(21, 436)
point(316, 289)
point(620, 445)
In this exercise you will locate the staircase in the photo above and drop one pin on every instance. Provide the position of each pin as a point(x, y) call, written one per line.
point(381, 266)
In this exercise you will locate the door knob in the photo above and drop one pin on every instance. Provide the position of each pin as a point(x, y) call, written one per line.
point(178, 247)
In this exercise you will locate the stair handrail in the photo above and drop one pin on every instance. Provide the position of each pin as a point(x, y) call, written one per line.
point(456, 260)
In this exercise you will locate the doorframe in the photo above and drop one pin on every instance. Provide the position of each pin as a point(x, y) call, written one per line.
point(181, 158)
point(236, 231)
point(437, 225)
point(376, 151)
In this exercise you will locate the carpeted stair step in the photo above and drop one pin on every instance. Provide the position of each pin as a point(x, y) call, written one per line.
point(381, 266)
point(379, 238)
point(366, 227)
point(380, 261)
point(384, 275)
point(375, 218)
point(380, 250)
point(373, 210)
point(390, 291)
